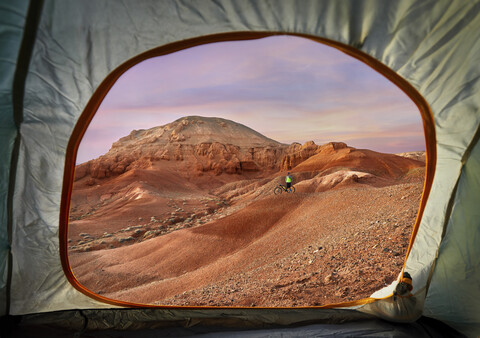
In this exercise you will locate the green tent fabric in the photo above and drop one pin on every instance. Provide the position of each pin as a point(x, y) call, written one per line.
point(434, 46)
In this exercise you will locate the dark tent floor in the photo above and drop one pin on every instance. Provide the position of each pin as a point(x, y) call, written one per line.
point(78, 324)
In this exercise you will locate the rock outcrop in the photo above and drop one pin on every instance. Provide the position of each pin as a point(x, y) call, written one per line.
point(196, 146)
point(205, 145)
point(296, 153)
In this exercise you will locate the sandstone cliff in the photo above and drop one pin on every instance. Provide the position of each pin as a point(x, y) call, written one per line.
point(204, 145)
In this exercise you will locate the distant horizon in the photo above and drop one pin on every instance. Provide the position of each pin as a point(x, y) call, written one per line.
point(285, 143)
point(287, 88)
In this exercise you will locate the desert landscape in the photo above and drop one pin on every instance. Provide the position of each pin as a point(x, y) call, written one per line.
point(184, 214)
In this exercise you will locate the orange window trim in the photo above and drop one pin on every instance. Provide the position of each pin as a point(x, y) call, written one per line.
point(98, 96)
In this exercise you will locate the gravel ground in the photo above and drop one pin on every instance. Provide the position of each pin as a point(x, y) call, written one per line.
point(360, 250)
point(291, 250)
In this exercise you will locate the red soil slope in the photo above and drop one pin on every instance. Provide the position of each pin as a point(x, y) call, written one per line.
point(176, 215)
point(281, 240)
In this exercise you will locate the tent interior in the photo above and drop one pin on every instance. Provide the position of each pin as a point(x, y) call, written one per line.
point(60, 58)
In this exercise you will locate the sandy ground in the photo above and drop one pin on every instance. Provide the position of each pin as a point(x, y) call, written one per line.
point(302, 249)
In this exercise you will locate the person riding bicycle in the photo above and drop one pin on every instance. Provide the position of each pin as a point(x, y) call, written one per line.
point(288, 181)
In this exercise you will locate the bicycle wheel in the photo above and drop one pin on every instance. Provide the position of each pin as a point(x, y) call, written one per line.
point(292, 189)
point(277, 190)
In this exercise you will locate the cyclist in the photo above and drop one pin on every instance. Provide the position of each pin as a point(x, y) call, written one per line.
point(288, 181)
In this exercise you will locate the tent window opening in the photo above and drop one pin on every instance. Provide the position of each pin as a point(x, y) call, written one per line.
point(275, 172)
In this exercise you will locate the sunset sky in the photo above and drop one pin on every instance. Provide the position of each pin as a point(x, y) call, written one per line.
point(289, 89)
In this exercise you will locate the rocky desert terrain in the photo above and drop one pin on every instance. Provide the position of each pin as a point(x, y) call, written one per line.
point(184, 214)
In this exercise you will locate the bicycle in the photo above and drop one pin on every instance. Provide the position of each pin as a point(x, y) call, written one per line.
point(281, 188)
